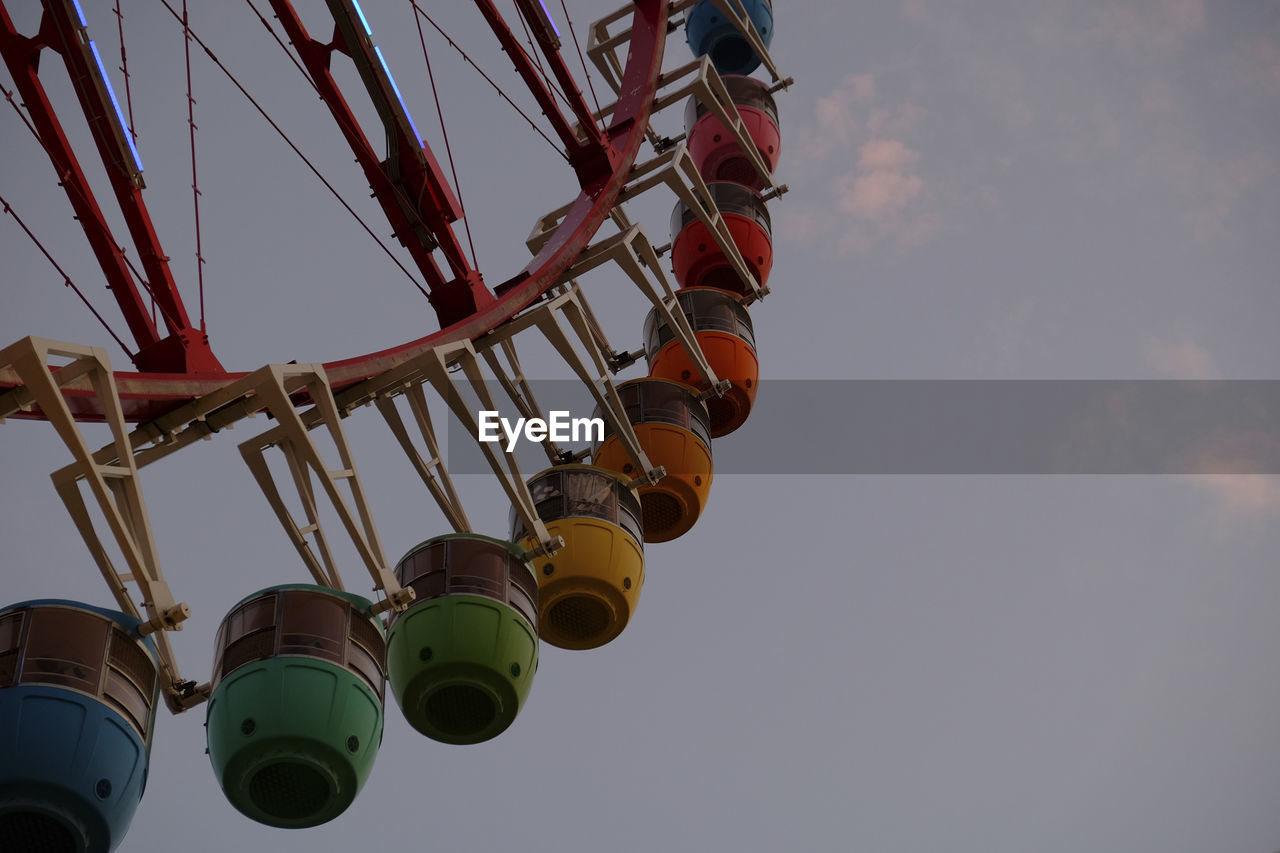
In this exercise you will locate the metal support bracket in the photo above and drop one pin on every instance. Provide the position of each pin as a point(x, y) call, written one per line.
point(676, 169)
point(594, 371)
point(272, 388)
point(513, 381)
point(603, 47)
point(435, 367)
point(633, 252)
point(708, 87)
point(114, 484)
point(432, 470)
point(439, 366)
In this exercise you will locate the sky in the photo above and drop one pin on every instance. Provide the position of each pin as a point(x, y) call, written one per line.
point(1058, 189)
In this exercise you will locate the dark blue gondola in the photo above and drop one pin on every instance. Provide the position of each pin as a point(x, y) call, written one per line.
point(709, 32)
point(78, 693)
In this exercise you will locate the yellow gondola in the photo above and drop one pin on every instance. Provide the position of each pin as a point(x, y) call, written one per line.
point(588, 589)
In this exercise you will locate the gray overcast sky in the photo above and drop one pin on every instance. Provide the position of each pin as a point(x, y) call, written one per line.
point(1055, 189)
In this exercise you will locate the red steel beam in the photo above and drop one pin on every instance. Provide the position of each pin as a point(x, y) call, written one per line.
point(186, 348)
point(591, 154)
point(409, 184)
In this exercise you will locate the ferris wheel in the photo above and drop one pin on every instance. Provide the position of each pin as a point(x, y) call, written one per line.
point(295, 698)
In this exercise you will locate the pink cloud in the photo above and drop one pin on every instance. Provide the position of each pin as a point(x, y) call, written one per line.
point(900, 121)
point(1239, 496)
point(1182, 359)
point(862, 88)
point(878, 198)
point(838, 116)
point(874, 190)
point(885, 181)
point(886, 154)
point(1242, 496)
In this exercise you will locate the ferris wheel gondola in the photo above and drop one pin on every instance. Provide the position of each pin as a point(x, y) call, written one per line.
point(588, 590)
point(462, 657)
point(723, 329)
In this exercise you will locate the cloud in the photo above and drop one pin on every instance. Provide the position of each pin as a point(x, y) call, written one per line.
point(886, 154)
point(885, 181)
point(1182, 359)
point(1242, 496)
point(877, 199)
point(1238, 496)
point(1214, 188)
point(871, 191)
point(839, 118)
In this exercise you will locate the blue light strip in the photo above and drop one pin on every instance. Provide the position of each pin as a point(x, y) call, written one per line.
point(363, 20)
point(417, 137)
point(128, 137)
point(80, 13)
point(550, 19)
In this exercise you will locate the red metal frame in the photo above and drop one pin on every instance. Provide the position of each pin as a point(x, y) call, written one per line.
point(591, 154)
point(409, 184)
point(185, 348)
point(146, 396)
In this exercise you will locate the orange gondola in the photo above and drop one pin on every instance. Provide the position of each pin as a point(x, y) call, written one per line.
point(723, 330)
point(671, 424)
